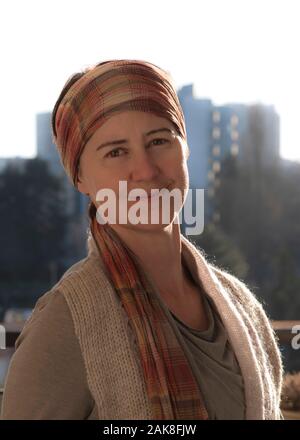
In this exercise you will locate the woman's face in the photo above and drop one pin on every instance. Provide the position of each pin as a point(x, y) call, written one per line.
point(142, 149)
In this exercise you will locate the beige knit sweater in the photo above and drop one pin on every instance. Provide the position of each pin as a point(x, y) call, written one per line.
point(110, 353)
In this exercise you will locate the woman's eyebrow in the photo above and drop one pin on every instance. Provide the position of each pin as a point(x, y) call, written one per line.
point(122, 141)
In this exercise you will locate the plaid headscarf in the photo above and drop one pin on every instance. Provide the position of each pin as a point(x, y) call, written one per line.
point(104, 90)
point(91, 98)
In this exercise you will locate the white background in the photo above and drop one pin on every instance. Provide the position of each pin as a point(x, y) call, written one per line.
point(232, 50)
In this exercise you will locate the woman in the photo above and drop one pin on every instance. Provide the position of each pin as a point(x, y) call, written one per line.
point(143, 327)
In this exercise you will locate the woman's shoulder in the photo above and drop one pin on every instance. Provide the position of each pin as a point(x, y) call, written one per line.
point(244, 299)
point(47, 362)
point(79, 281)
point(82, 269)
point(239, 290)
point(51, 314)
point(253, 311)
point(50, 317)
point(85, 291)
point(52, 308)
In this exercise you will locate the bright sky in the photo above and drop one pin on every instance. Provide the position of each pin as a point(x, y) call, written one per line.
point(233, 51)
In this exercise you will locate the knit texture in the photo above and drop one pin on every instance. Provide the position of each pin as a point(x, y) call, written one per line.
point(113, 366)
point(171, 384)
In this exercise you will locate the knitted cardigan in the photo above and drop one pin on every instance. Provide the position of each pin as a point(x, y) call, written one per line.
point(110, 352)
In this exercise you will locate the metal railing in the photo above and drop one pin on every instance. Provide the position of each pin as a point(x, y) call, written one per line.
point(283, 331)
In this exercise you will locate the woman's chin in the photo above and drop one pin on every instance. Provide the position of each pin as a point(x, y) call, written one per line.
point(146, 227)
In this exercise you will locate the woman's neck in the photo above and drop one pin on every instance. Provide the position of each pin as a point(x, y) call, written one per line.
point(159, 253)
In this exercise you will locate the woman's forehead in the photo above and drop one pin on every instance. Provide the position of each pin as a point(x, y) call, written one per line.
point(128, 120)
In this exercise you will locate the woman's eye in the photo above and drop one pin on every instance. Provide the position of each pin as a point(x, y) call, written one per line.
point(160, 141)
point(117, 152)
point(114, 153)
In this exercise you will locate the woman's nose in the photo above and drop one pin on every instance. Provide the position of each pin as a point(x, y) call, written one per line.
point(143, 167)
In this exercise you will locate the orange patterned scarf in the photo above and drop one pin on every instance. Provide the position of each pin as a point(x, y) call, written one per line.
point(171, 385)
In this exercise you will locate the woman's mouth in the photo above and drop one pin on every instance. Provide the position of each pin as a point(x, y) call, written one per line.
point(154, 193)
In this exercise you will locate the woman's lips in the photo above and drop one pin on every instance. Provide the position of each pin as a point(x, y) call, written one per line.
point(154, 193)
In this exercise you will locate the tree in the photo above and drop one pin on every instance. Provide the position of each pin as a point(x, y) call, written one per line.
point(33, 221)
point(259, 211)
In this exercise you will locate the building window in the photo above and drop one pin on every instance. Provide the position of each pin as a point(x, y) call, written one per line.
point(234, 135)
point(234, 149)
point(216, 133)
point(217, 182)
point(216, 116)
point(234, 120)
point(216, 167)
point(216, 150)
point(210, 192)
point(210, 175)
point(216, 217)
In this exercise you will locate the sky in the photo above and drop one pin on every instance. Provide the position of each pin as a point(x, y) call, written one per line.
point(232, 50)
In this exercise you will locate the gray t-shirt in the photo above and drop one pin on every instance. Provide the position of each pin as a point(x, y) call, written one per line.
point(46, 378)
point(214, 364)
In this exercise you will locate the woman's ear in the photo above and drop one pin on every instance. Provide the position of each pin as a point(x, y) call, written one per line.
point(80, 183)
